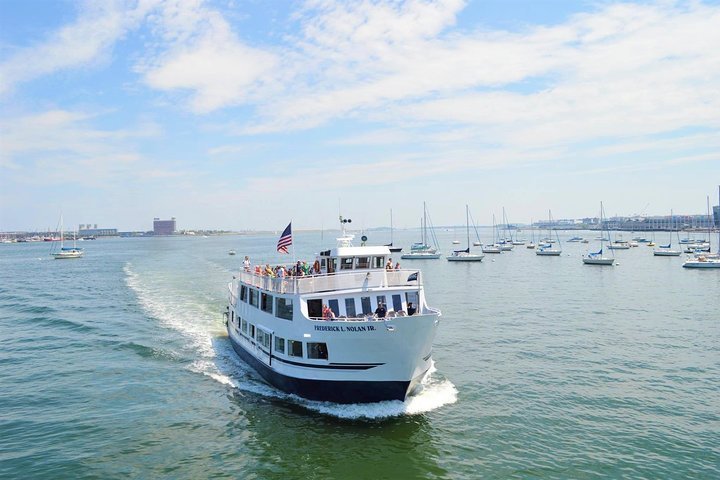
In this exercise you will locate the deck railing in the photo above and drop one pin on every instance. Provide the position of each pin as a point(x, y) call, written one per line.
point(365, 280)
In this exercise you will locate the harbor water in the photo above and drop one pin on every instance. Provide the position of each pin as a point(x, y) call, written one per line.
point(117, 365)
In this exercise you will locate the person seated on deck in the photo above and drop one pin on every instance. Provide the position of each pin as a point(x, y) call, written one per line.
point(316, 267)
point(327, 313)
point(388, 265)
point(411, 309)
point(380, 311)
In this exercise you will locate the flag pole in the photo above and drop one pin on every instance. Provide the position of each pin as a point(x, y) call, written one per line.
point(293, 246)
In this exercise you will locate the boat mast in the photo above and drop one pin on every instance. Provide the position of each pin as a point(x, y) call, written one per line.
point(467, 225)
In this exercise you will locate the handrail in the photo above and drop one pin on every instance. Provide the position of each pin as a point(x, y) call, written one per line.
point(366, 279)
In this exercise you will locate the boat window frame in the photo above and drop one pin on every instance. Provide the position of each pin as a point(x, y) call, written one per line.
point(243, 293)
point(312, 307)
point(334, 305)
point(362, 265)
point(255, 297)
point(291, 348)
point(350, 307)
point(279, 342)
point(397, 302)
point(347, 263)
point(379, 262)
point(317, 350)
point(378, 300)
point(366, 305)
point(284, 311)
point(266, 302)
point(243, 326)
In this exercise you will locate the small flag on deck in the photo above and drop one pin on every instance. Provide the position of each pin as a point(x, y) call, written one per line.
point(285, 239)
point(412, 277)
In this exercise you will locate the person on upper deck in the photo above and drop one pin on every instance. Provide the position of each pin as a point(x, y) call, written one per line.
point(327, 313)
point(397, 266)
point(411, 309)
point(298, 269)
point(388, 265)
point(246, 263)
point(316, 267)
point(380, 311)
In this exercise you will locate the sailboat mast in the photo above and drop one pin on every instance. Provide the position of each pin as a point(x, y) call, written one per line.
point(391, 228)
point(467, 225)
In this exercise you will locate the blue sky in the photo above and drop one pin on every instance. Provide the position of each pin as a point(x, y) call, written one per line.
point(246, 114)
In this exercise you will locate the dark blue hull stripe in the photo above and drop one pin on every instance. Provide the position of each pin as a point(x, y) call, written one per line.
point(332, 366)
point(337, 391)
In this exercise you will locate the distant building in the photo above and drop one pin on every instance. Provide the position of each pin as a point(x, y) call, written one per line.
point(92, 230)
point(164, 227)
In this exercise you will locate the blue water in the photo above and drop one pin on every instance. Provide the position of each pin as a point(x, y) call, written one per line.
point(117, 365)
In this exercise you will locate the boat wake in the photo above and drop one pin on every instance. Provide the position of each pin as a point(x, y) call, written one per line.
point(199, 323)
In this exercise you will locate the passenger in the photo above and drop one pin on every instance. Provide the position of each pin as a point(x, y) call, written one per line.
point(298, 269)
point(328, 314)
point(411, 309)
point(269, 271)
point(257, 270)
point(305, 268)
point(316, 267)
point(397, 266)
point(388, 265)
point(380, 311)
point(246, 264)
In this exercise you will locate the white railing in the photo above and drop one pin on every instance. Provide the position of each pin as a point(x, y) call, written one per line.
point(368, 279)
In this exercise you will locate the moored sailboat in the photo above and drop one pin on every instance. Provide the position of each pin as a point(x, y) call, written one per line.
point(465, 255)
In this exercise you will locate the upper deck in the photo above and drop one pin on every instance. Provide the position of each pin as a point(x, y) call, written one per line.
point(371, 279)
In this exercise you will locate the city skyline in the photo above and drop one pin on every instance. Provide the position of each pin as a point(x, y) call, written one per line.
point(245, 115)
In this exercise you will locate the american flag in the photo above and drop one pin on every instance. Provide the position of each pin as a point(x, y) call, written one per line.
point(285, 239)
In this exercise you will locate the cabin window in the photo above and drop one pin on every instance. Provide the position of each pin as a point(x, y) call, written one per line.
point(314, 306)
point(378, 262)
point(243, 293)
point(381, 299)
point(397, 302)
point(243, 326)
point(350, 307)
point(263, 338)
point(317, 351)
point(334, 306)
point(254, 297)
point(332, 265)
point(366, 308)
point(266, 302)
point(237, 321)
point(323, 263)
point(412, 297)
point(362, 262)
point(346, 263)
point(284, 308)
point(252, 331)
point(280, 344)
point(295, 348)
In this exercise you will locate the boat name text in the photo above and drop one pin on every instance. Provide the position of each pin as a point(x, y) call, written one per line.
point(343, 328)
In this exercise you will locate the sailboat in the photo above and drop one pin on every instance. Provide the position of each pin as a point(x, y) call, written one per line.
point(667, 250)
point(495, 247)
point(390, 245)
point(546, 249)
point(706, 261)
point(422, 250)
point(476, 243)
point(531, 245)
point(597, 258)
point(465, 255)
point(67, 252)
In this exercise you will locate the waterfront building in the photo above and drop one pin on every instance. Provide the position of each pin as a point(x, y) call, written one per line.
point(164, 227)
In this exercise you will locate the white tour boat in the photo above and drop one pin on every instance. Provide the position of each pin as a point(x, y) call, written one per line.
point(353, 333)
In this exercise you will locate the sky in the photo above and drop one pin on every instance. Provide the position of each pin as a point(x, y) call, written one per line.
point(249, 114)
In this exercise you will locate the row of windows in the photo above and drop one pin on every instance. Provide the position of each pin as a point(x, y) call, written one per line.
point(315, 350)
point(350, 263)
point(264, 301)
point(367, 305)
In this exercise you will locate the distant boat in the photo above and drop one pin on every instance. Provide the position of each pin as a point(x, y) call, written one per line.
point(465, 255)
point(531, 245)
point(495, 247)
point(667, 250)
point(706, 260)
point(67, 252)
point(422, 250)
point(547, 249)
point(576, 239)
point(597, 258)
point(390, 245)
point(232, 252)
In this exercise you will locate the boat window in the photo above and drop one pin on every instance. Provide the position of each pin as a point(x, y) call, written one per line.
point(314, 306)
point(350, 307)
point(243, 293)
point(295, 348)
point(252, 331)
point(266, 302)
point(243, 326)
point(254, 297)
point(323, 263)
point(397, 302)
point(263, 338)
point(362, 262)
point(332, 265)
point(346, 263)
point(381, 299)
point(334, 306)
point(378, 262)
point(280, 344)
point(366, 308)
point(317, 351)
point(284, 308)
point(412, 297)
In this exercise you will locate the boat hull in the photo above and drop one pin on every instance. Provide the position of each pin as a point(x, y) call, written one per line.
point(598, 261)
point(669, 253)
point(702, 264)
point(420, 256)
point(336, 391)
point(465, 258)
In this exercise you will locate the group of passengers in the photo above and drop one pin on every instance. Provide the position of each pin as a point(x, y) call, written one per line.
point(300, 269)
point(380, 312)
point(389, 265)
